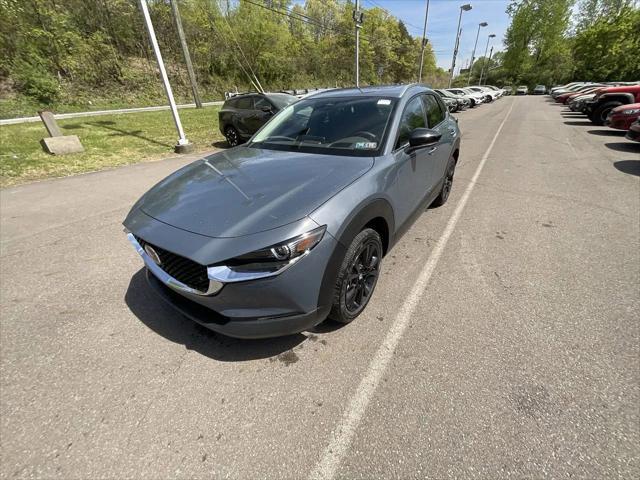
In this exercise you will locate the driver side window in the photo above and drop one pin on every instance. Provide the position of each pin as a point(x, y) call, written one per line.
point(412, 118)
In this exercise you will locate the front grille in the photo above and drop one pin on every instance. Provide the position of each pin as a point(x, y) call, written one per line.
point(182, 269)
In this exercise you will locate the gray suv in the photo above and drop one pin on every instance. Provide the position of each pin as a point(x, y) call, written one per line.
point(272, 237)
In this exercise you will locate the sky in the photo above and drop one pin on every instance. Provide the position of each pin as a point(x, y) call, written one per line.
point(442, 22)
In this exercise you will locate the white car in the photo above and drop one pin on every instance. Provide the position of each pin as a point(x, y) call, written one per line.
point(501, 91)
point(489, 94)
point(522, 90)
point(474, 97)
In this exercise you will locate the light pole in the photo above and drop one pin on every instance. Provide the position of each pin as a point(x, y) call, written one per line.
point(473, 55)
point(424, 42)
point(183, 146)
point(463, 8)
point(357, 18)
point(485, 58)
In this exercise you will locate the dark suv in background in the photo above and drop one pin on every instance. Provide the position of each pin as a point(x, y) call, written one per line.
point(242, 115)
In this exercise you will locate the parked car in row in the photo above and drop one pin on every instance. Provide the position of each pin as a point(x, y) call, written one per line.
point(614, 104)
point(474, 97)
point(634, 131)
point(242, 115)
point(609, 98)
point(623, 116)
point(457, 102)
point(488, 94)
point(522, 90)
point(272, 237)
point(539, 90)
point(585, 89)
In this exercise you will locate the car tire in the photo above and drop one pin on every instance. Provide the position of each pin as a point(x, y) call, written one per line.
point(447, 185)
point(357, 277)
point(599, 115)
point(232, 136)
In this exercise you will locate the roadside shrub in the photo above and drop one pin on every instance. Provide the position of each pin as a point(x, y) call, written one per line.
point(35, 82)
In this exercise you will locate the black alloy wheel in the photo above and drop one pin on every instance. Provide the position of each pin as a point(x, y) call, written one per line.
point(447, 185)
point(358, 276)
point(362, 277)
point(232, 136)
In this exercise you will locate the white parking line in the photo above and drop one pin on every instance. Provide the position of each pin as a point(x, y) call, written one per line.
point(342, 436)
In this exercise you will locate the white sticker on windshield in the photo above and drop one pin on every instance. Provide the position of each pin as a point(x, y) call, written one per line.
point(384, 101)
point(366, 145)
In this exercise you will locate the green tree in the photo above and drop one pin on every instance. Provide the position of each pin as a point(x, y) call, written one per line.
point(608, 48)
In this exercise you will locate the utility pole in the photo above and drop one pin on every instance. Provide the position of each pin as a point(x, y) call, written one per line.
point(185, 52)
point(424, 42)
point(358, 17)
point(488, 64)
point(485, 57)
point(473, 55)
point(463, 8)
point(183, 146)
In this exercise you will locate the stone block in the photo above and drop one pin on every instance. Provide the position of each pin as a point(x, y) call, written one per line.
point(62, 145)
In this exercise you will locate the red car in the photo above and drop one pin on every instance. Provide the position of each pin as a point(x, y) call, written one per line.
point(565, 97)
point(609, 98)
point(623, 116)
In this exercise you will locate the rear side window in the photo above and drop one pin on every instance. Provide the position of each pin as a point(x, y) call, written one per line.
point(412, 118)
point(261, 102)
point(435, 113)
point(230, 103)
point(244, 103)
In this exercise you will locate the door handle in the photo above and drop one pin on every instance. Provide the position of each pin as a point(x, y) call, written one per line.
point(431, 150)
point(452, 132)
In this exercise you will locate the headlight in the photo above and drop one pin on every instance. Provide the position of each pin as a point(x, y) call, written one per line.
point(631, 111)
point(268, 261)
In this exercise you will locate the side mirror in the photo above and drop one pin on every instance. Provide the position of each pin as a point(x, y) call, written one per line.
point(423, 137)
point(266, 109)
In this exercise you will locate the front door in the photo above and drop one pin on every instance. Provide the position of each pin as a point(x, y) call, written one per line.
point(258, 116)
point(413, 169)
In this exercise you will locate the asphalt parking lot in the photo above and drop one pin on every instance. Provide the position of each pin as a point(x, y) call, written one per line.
point(503, 340)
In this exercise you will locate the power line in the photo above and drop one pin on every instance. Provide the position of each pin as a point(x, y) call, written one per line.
point(298, 16)
point(218, 32)
point(376, 4)
point(305, 19)
point(241, 51)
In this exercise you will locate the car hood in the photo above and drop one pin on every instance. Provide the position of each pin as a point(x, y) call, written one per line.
point(247, 190)
point(622, 108)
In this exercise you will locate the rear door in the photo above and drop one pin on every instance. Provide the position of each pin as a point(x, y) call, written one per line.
point(438, 119)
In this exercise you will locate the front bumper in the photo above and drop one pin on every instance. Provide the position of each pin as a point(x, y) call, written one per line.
point(633, 135)
point(247, 328)
point(290, 302)
point(619, 123)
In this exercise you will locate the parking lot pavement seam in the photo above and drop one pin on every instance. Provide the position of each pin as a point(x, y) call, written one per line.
point(343, 434)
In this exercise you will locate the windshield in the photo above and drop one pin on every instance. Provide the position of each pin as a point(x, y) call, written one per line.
point(281, 100)
point(354, 126)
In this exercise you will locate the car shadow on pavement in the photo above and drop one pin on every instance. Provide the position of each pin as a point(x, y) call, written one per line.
point(627, 147)
point(585, 123)
point(151, 310)
point(608, 133)
point(632, 167)
point(220, 144)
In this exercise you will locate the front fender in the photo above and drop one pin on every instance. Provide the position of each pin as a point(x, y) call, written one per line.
point(618, 96)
